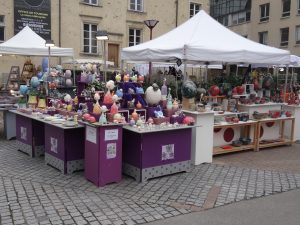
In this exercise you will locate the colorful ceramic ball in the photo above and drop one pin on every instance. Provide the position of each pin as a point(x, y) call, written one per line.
point(92, 119)
point(34, 82)
point(189, 89)
point(86, 116)
point(23, 89)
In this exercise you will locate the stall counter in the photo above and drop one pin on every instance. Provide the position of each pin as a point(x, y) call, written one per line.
point(149, 153)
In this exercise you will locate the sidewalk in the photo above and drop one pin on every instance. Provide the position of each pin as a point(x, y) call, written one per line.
point(280, 209)
point(34, 193)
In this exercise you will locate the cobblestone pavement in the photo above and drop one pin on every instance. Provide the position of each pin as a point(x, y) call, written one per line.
point(284, 159)
point(34, 193)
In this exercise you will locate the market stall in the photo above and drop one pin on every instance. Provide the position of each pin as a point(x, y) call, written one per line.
point(203, 40)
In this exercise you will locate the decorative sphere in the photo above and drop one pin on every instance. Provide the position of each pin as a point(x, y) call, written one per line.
point(69, 82)
point(152, 96)
point(23, 89)
point(68, 73)
point(34, 82)
point(188, 89)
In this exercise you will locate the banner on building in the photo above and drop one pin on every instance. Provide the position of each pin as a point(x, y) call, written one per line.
point(33, 13)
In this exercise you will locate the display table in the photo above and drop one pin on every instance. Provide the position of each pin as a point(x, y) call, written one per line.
point(9, 121)
point(246, 132)
point(63, 146)
point(295, 110)
point(202, 133)
point(149, 153)
point(281, 140)
point(103, 153)
point(29, 134)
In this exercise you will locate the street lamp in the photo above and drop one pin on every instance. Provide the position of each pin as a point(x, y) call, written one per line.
point(150, 24)
point(49, 44)
point(103, 35)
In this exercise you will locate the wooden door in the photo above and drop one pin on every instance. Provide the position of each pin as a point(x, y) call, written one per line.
point(113, 54)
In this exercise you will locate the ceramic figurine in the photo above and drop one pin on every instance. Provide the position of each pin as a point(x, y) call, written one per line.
point(68, 81)
point(118, 77)
point(153, 94)
point(134, 115)
point(132, 122)
point(108, 98)
point(164, 91)
point(119, 93)
point(97, 107)
point(175, 104)
point(138, 105)
point(114, 109)
point(102, 118)
point(126, 78)
point(169, 98)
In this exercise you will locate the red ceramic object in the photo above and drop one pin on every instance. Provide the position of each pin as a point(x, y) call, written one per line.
point(92, 119)
point(234, 91)
point(240, 90)
point(188, 120)
point(86, 116)
point(288, 114)
point(214, 90)
point(228, 134)
point(141, 78)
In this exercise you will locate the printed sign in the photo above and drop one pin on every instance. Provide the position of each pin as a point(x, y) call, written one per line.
point(167, 152)
point(111, 135)
point(91, 134)
point(33, 13)
point(54, 145)
point(111, 151)
point(24, 133)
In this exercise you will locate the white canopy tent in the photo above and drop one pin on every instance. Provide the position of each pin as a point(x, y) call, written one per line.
point(29, 43)
point(203, 39)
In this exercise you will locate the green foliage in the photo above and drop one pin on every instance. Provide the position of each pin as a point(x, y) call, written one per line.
point(232, 79)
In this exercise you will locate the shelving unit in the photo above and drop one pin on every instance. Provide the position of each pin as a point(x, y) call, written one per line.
point(219, 150)
point(13, 80)
point(282, 140)
point(27, 72)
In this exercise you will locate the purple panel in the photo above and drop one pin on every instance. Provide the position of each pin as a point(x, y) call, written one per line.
point(110, 169)
point(100, 169)
point(54, 141)
point(153, 142)
point(24, 129)
point(132, 153)
point(91, 161)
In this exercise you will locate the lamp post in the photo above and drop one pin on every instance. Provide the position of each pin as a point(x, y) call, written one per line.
point(150, 24)
point(49, 44)
point(103, 35)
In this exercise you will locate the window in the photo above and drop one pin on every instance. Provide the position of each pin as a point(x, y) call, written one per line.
point(263, 37)
point(91, 2)
point(239, 18)
point(136, 5)
point(89, 38)
point(284, 36)
point(264, 12)
point(134, 37)
point(297, 34)
point(194, 9)
point(2, 28)
point(286, 8)
point(298, 7)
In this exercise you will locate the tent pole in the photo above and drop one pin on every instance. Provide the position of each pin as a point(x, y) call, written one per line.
point(285, 84)
point(74, 75)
